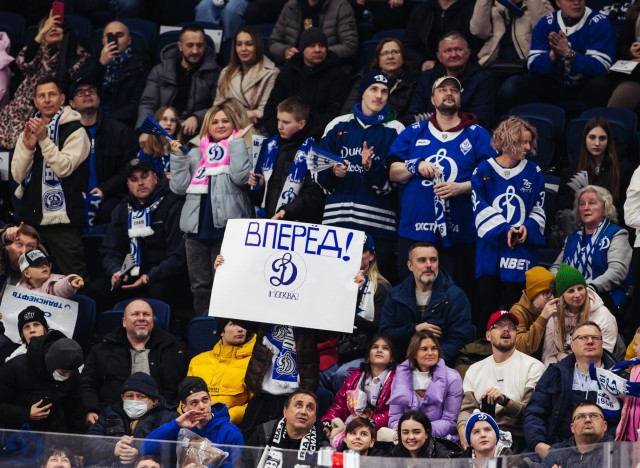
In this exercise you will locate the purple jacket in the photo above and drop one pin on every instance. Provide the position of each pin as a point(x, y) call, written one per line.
point(441, 402)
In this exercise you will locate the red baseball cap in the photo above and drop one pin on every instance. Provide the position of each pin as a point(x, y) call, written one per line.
point(498, 315)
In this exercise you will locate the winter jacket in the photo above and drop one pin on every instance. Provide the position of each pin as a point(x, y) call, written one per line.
point(252, 88)
point(324, 87)
point(121, 101)
point(25, 380)
point(5, 71)
point(567, 454)
point(163, 254)
point(336, 19)
point(67, 160)
point(478, 97)
point(434, 447)
point(229, 192)
point(548, 413)
point(380, 414)
point(114, 422)
point(307, 358)
point(627, 419)
point(448, 308)
point(531, 327)
point(56, 285)
point(109, 365)
point(598, 314)
point(400, 94)
point(441, 402)
point(491, 21)
point(428, 23)
point(162, 88)
point(223, 368)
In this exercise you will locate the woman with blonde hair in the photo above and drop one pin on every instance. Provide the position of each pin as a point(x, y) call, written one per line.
point(578, 303)
point(213, 176)
point(250, 75)
point(508, 203)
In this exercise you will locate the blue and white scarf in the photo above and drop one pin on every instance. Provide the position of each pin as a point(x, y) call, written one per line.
point(297, 171)
point(281, 342)
point(92, 201)
point(583, 256)
point(370, 119)
point(139, 225)
point(54, 206)
point(113, 69)
point(366, 307)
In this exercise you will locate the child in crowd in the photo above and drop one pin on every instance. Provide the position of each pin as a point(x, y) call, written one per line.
point(630, 420)
point(281, 170)
point(156, 149)
point(36, 275)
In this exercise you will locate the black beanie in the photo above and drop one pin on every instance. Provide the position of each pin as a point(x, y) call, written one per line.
point(31, 314)
point(64, 354)
point(141, 383)
point(312, 36)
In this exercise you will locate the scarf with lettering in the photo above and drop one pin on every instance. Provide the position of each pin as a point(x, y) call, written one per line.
point(297, 171)
point(366, 307)
point(308, 445)
point(54, 206)
point(583, 256)
point(281, 342)
point(139, 225)
point(112, 72)
point(612, 387)
point(92, 201)
point(215, 160)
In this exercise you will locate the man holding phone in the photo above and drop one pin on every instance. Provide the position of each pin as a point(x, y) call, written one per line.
point(121, 72)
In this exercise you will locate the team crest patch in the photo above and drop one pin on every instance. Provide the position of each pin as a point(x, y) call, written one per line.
point(465, 146)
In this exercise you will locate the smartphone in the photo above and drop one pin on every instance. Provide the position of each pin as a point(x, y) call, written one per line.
point(57, 8)
point(45, 401)
point(112, 38)
point(487, 407)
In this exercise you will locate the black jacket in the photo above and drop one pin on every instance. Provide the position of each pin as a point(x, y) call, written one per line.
point(25, 380)
point(109, 365)
point(323, 87)
point(114, 422)
point(163, 254)
point(435, 447)
point(121, 101)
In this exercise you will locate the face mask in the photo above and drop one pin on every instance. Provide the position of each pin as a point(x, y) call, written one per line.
point(59, 377)
point(134, 408)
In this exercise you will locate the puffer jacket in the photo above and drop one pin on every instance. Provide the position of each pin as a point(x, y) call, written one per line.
point(229, 192)
point(336, 20)
point(223, 368)
point(489, 23)
point(380, 414)
point(441, 402)
point(162, 85)
point(531, 327)
point(434, 447)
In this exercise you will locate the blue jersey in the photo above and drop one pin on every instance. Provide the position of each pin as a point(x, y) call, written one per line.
point(456, 154)
point(592, 38)
point(360, 200)
point(504, 198)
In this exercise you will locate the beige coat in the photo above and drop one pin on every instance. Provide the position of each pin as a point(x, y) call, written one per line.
point(489, 22)
point(253, 88)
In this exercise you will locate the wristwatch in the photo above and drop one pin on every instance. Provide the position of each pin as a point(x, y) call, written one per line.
point(505, 401)
point(570, 56)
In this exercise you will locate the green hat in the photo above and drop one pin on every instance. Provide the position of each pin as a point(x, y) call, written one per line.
point(566, 277)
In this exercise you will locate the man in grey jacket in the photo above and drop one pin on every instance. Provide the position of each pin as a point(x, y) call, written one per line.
point(186, 78)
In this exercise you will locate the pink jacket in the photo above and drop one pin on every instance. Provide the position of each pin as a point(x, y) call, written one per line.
point(380, 413)
point(621, 430)
point(56, 285)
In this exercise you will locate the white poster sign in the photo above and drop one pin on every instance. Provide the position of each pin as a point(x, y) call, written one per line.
point(61, 313)
point(288, 273)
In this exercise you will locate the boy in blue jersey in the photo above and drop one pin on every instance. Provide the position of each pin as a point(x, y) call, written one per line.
point(358, 191)
point(281, 182)
point(434, 160)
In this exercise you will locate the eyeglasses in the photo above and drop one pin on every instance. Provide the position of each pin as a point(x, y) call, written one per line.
point(547, 294)
point(588, 338)
point(583, 416)
point(499, 326)
point(389, 52)
point(168, 119)
point(86, 92)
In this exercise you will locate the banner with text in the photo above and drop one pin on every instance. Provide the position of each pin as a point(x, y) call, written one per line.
point(61, 313)
point(288, 273)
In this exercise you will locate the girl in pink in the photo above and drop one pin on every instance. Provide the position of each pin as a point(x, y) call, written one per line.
point(630, 419)
point(36, 275)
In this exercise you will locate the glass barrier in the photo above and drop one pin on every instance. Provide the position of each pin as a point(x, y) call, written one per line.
point(38, 449)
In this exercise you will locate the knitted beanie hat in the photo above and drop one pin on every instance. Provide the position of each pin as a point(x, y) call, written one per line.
point(312, 36)
point(476, 416)
point(539, 279)
point(566, 277)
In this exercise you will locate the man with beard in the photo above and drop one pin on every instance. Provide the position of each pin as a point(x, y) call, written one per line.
point(185, 78)
point(434, 160)
point(428, 300)
point(136, 347)
point(502, 383)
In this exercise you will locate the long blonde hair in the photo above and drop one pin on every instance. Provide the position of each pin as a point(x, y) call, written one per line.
point(235, 112)
point(583, 315)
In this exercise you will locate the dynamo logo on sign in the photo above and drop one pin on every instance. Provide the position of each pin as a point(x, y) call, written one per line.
point(285, 271)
